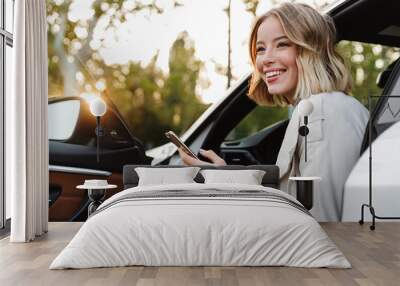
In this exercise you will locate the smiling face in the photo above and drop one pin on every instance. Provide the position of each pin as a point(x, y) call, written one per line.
point(276, 59)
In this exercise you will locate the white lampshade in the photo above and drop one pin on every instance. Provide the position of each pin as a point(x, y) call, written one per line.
point(305, 107)
point(98, 107)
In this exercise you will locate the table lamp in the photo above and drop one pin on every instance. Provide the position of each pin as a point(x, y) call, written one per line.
point(304, 185)
point(305, 109)
point(98, 108)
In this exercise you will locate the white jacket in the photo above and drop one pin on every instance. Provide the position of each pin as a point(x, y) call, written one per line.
point(337, 125)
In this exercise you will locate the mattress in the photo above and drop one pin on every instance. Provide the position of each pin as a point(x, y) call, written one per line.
point(201, 225)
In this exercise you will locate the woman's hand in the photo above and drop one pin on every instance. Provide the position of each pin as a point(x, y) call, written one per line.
point(210, 154)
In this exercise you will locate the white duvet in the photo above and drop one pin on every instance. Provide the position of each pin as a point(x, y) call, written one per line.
point(200, 231)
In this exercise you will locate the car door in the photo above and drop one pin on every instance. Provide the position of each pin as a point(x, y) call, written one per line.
point(384, 115)
point(73, 154)
point(215, 127)
point(386, 112)
point(246, 134)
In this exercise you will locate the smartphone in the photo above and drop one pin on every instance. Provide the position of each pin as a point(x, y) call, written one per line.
point(178, 143)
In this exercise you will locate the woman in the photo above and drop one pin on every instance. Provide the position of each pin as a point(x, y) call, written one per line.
point(293, 55)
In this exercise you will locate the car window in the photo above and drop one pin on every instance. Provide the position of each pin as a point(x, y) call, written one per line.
point(366, 62)
point(63, 117)
point(259, 118)
point(389, 113)
point(371, 66)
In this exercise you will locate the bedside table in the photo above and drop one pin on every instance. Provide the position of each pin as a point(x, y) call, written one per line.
point(96, 195)
point(304, 190)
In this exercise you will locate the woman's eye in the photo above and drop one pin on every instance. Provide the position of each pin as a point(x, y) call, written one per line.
point(259, 49)
point(283, 44)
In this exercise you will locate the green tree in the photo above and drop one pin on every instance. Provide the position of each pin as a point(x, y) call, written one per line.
point(251, 6)
point(179, 93)
point(366, 62)
point(71, 44)
point(135, 90)
point(150, 101)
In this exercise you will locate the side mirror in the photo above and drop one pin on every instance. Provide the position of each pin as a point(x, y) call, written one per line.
point(63, 118)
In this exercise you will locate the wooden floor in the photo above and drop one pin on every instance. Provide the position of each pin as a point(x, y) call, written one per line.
point(374, 255)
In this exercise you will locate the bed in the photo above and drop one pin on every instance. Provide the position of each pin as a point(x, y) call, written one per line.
point(201, 224)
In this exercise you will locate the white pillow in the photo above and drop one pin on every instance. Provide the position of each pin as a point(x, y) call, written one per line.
point(248, 177)
point(163, 176)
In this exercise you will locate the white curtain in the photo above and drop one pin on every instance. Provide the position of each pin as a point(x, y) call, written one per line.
point(26, 124)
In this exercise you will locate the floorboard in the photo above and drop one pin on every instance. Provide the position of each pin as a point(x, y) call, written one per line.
point(374, 255)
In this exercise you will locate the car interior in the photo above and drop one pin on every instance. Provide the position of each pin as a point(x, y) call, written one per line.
point(77, 148)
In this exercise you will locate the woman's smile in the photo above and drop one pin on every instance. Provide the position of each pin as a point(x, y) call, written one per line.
point(273, 75)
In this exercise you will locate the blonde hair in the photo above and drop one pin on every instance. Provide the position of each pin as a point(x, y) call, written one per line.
point(320, 67)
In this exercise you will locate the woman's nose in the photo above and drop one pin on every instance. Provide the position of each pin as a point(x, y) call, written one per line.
point(268, 57)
